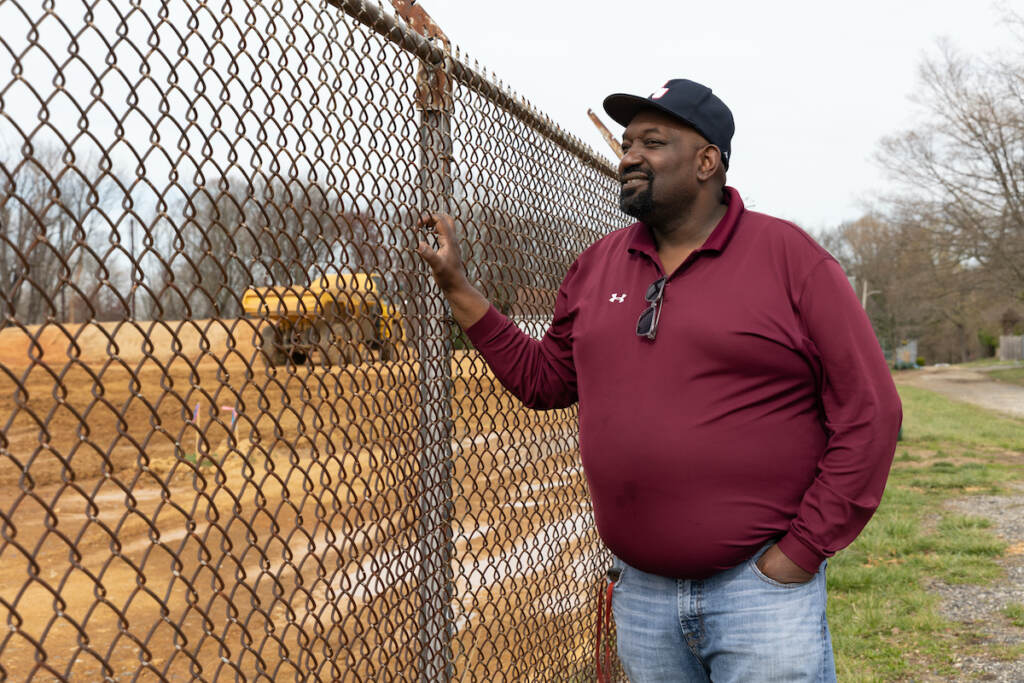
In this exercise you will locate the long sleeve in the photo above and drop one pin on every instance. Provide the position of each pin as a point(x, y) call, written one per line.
point(540, 373)
point(862, 416)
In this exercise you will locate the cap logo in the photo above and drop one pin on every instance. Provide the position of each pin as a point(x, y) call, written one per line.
point(659, 93)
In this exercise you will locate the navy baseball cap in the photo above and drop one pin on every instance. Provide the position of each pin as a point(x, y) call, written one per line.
point(690, 102)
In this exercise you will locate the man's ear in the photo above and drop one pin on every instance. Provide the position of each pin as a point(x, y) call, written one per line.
point(709, 162)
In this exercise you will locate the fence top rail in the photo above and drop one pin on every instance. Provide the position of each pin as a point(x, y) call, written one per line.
point(396, 30)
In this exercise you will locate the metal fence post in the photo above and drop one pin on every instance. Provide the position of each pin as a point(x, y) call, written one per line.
point(435, 352)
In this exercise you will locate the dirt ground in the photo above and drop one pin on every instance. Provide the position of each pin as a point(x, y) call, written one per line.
point(275, 527)
point(969, 385)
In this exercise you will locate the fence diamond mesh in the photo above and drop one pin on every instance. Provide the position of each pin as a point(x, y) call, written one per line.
point(241, 436)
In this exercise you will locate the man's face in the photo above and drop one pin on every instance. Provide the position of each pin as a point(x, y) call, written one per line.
point(659, 168)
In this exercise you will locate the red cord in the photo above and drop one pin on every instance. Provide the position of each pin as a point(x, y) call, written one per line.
point(604, 601)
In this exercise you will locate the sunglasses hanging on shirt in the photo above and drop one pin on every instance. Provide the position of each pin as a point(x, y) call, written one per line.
point(647, 325)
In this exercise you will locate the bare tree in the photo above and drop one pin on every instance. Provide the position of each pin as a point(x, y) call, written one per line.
point(236, 233)
point(965, 161)
point(913, 284)
point(51, 205)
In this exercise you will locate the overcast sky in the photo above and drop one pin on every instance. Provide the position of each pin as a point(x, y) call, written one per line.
point(813, 86)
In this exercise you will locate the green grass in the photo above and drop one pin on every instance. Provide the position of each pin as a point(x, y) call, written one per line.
point(885, 623)
point(1010, 375)
point(1015, 613)
point(932, 421)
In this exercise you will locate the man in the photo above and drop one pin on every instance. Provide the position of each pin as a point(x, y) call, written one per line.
point(737, 419)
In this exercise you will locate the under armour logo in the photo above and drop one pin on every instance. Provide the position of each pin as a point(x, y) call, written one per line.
point(617, 298)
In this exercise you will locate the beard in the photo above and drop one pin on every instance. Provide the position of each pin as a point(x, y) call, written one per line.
point(637, 203)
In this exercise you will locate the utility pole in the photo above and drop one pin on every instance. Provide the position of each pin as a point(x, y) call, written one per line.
point(865, 294)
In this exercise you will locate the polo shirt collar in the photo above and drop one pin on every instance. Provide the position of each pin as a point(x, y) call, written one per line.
point(641, 239)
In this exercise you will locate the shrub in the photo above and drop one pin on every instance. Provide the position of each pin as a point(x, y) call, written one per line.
point(989, 342)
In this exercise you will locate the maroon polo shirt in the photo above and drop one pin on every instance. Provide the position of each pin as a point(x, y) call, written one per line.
point(763, 410)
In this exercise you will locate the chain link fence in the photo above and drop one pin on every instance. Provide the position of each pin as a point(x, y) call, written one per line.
point(241, 437)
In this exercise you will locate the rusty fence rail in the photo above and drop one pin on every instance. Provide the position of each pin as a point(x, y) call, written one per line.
point(241, 437)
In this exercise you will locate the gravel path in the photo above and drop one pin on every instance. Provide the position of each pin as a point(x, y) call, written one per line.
point(980, 608)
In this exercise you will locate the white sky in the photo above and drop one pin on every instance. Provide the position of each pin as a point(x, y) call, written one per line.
point(813, 86)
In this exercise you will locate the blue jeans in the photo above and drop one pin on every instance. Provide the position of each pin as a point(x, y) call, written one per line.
point(737, 625)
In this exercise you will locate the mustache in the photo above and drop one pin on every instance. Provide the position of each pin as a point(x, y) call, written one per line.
point(636, 168)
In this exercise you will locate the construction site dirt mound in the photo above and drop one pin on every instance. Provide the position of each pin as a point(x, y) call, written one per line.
point(129, 342)
point(172, 456)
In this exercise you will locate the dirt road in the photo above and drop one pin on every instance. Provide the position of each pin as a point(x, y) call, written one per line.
point(972, 386)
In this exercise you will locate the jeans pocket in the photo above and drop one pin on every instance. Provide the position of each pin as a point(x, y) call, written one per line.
point(616, 572)
point(752, 563)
